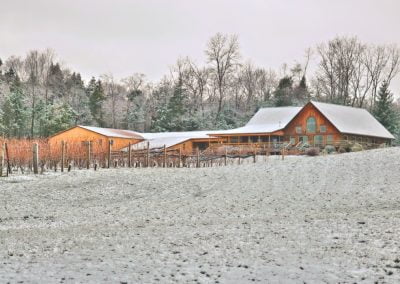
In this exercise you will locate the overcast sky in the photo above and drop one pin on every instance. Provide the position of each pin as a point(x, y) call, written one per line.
point(147, 36)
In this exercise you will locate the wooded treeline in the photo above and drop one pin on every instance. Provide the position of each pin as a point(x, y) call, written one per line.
point(38, 96)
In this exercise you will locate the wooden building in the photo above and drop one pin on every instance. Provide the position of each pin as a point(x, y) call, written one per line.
point(99, 137)
point(187, 142)
point(316, 124)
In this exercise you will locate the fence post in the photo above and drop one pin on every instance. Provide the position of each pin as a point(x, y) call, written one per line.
point(283, 153)
point(180, 157)
point(88, 155)
point(109, 154)
point(165, 156)
point(148, 155)
point(226, 156)
point(62, 155)
point(254, 155)
point(129, 155)
point(2, 154)
point(35, 152)
point(198, 158)
point(8, 159)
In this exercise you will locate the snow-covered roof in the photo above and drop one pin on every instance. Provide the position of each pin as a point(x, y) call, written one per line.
point(353, 120)
point(169, 139)
point(110, 132)
point(266, 120)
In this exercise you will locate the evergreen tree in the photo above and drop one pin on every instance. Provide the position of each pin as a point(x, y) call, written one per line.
point(283, 95)
point(96, 98)
point(13, 111)
point(384, 108)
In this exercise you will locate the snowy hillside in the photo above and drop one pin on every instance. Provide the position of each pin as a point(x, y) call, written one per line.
point(313, 219)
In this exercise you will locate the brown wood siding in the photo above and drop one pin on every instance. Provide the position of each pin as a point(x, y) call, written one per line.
point(77, 135)
point(300, 120)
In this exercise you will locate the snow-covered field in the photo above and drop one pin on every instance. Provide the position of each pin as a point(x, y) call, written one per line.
point(312, 219)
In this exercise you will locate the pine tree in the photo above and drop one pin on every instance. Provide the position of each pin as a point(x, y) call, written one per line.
point(284, 92)
point(96, 98)
point(384, 108)
point(13, 111)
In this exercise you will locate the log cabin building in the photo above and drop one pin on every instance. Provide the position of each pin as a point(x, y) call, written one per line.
point(315, 124)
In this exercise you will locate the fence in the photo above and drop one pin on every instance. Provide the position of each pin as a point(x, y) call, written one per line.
point(37, 156)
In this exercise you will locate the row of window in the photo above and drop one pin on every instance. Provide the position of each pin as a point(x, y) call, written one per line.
point(317, 140)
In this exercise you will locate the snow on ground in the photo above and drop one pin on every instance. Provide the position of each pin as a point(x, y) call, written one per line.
point(312, 219)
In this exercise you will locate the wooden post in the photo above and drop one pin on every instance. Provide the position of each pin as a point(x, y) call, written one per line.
point(2, 158)
point(254, 155)
point(8, 159)
point(226, 156)
point(198, 158)
point(88, 156)
point(35, 152)
point(129, 155)
point(283, 152)
point(165, 157)
point(109, 154)
point(180, 157)
point(148, 155)
point(62, 155)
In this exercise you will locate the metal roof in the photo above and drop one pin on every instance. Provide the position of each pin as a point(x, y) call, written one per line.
point(353, 120)
point(266, 120)
point(110, 132)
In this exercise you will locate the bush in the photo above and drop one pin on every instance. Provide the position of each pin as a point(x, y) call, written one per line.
point(357, 147)
point(341, 150)
point(312, 152)
point(329, 149)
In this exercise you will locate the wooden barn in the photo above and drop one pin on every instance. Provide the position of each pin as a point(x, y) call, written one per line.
point(99, 137)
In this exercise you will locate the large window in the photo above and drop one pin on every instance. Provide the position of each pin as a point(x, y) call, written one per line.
point(318, 140)
point(329, 139)
point(311, 124)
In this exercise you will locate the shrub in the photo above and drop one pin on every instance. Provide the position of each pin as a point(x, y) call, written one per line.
point(312, 151)
point(357, 147)
point(341, 150)
point(329, 149)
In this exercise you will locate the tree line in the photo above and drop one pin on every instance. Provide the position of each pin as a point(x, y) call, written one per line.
point(39, 96)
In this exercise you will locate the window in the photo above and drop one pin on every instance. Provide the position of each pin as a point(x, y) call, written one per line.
point(244, 139)
point(298, 129)
point(318, 139)
point(292, 140)
point(322, 128)
point(303, 139)
point(234, 139)
point(254, 139)
point(311, 124)
point(329, 139)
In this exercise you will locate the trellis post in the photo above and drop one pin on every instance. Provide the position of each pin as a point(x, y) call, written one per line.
point(165, 156)
point(88, 154)
point(35, 152)
point(62, 155)
point(129, 155)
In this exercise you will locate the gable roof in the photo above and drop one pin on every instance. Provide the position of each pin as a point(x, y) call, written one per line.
point(111, 132)
point(353, 120)
point(266, 120)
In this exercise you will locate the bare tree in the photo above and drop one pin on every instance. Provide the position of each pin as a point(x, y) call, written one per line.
point(223, 55)
point(113, 91)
